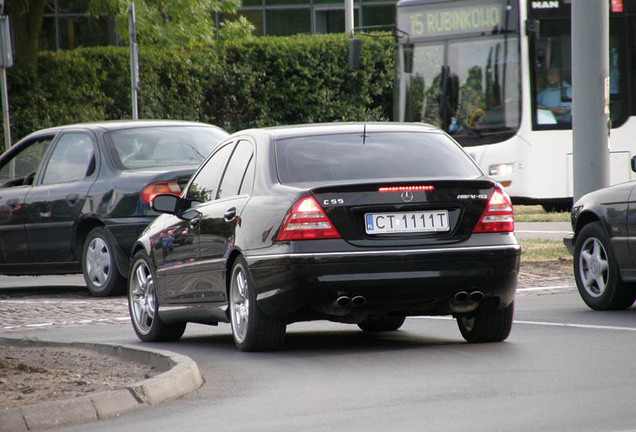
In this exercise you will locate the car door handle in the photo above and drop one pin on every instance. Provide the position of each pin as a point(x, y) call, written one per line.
point(72, 198)
point(230, 214)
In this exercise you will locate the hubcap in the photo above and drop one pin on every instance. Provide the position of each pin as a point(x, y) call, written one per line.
point(594, 267)
point(98, 262)
point(142, 298)
point(240, 304)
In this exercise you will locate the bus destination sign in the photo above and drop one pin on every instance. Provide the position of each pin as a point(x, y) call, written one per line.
point(420, 20)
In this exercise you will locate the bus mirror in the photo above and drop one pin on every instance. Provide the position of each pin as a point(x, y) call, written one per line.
point(408, 58)
point(542, 55)
point(355, 47)
point(533, 28)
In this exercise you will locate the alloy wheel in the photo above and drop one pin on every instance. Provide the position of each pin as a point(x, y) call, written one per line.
point(240, 304)
point(142, 298)
point(594, 267)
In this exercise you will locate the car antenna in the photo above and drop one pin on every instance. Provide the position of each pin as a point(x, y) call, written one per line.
point(364, 134)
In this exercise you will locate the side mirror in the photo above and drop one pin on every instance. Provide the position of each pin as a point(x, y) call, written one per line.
point(355, 47)
point(166, 203)
point(634, 163)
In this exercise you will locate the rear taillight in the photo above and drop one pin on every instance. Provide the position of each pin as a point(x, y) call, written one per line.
point(152, 190)
point(498, 216)
point(306, 221)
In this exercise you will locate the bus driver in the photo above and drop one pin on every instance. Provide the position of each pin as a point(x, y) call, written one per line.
point(550, 98)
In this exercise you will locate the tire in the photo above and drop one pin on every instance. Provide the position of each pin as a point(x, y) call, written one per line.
point(99, 267)
point(486, 324)
point(596, 271)
point(142, 304)
point(382, 323)
point(252, 330)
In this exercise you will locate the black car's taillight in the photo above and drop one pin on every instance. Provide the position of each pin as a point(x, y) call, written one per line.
point(306, 220)
point(498, 215)
point(152, 190)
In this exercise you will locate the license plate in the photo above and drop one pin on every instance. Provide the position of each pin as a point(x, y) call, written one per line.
point(411, 222)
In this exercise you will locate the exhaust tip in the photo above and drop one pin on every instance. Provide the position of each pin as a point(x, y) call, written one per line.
point(477, 296)
point(461, 296)
point(359, 301)
point(343, 301)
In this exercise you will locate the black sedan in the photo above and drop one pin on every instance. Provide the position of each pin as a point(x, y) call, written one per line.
point(354, 223)
point(75, 198)
point(604, 246)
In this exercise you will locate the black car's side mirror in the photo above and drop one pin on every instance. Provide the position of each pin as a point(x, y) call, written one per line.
point(166, 203)
point(634, 163)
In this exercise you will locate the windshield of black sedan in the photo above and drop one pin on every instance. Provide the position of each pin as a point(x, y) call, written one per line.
point(162, 146)
point(379, 155)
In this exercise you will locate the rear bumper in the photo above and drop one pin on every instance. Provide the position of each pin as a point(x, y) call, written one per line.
point(412, 282)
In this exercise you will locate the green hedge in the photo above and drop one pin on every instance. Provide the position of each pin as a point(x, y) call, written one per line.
point(256, 82)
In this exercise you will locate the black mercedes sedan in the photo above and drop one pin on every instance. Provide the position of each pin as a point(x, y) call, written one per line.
point(75, 198)
point(354, 223)
point(604, 246)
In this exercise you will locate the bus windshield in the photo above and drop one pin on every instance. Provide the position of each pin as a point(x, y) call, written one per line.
point(466, 82)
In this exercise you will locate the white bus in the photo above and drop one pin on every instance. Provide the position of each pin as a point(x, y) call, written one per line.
point(496, 75)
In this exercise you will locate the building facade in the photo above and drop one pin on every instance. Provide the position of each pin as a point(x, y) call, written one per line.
point(66, 24)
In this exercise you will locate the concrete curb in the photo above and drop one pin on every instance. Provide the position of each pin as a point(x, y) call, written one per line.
point(181, 376)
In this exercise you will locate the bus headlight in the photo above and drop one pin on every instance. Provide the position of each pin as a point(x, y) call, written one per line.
point(501, 170)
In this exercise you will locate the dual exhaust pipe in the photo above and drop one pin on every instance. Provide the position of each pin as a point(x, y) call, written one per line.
point(464, 301)
point(355, 301)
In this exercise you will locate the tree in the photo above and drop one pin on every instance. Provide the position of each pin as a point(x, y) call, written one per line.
point(26, 22)
point(159, 22)
point(175, 22)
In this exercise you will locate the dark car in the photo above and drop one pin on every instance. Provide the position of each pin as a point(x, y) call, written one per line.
point(75, 198)
point(604, 246)
point(354, 223)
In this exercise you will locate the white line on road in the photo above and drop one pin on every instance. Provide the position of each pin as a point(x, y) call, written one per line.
point(543, 232)
point(549, 324)
point(547, 288)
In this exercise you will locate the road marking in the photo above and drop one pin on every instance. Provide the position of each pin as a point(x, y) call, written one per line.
point(548, 324)
point(547, 288)
point(583, 326)
point(543, 232)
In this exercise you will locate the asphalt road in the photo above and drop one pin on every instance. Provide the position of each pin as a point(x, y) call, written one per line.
point(564, 368)
point(544, 230)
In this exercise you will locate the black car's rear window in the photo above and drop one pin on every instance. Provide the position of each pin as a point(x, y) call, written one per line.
point(148, 147)
point(380, 155)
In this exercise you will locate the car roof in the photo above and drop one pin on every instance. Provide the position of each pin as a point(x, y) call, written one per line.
point(280, 132)
point(110, 125)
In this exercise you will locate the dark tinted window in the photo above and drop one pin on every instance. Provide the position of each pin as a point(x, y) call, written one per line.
point(205, 183)
point(161, 146)
point(382, 155)
point(235, 170)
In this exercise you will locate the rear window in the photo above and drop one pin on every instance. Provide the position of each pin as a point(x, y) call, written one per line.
point(162, 146)
point(381, 155)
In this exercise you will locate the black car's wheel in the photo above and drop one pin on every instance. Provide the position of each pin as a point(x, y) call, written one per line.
point(596, 271)
point(98, 265)
point(142, 304)
point(382, 323)
point(251, 328)
point(486, 324)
